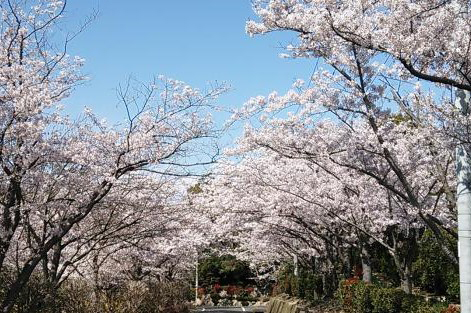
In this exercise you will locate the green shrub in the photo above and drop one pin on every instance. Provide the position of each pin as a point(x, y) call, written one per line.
point(429, 308)
point(410, 302)
point(246, 298)
point(355, 296)
point(286, 281)
point(307, 285)
point(432, 270)
point(452, 281)
point(345, 294)
point(385, 270)
point(215, 298)
point(387, 300)
point(224, 270)
point(362, 297)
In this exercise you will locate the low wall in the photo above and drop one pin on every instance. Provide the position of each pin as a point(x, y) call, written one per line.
point(284, 305)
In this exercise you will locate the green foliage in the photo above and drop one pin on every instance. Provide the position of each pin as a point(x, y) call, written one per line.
point(432, 271)
point(344, 296)
point(307, 285)
point(215, 298)
point(389, 300)
point(452, 281)
point(286, 281)
point(362, 298)
point(431, 308)
point(358, 297)
point(399, 118)
point(195, 189)
point(354, 296)
point(224, 270)
point(385, 270)
point(247, 298)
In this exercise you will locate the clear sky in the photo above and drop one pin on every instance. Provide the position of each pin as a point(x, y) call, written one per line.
point(196, 41)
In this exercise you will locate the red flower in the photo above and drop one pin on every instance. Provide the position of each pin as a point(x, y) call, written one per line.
point(217, 287)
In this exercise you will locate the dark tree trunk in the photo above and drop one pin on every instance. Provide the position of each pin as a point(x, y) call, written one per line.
point(405, 251)
point(16, 287)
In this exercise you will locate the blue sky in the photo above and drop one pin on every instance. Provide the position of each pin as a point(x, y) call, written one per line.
point(196, 41)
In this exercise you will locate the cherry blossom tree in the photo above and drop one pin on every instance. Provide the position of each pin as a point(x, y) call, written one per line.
point(429, 39)
point(323, 186)
point(407, 152)
point(60, 177)
point(375, 54)
point(131, 214)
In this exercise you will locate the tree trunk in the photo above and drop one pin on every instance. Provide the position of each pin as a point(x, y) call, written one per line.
point(24, 275)
point(366, 265)
point(406, 280)
point(15, 288)
point(404, 268)
point(96, 278)
point(3, 249)
point(55, 260)
point(329, 278)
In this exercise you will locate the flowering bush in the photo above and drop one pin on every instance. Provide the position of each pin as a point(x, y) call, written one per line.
point(233, 290)
point(217, 288)
point(201, 291)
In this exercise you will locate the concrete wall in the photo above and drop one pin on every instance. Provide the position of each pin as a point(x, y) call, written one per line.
point(284, 305)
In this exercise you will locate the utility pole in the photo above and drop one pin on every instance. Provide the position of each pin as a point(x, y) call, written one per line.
point(463, 204)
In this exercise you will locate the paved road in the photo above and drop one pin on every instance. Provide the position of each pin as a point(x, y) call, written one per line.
point(229, 310)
